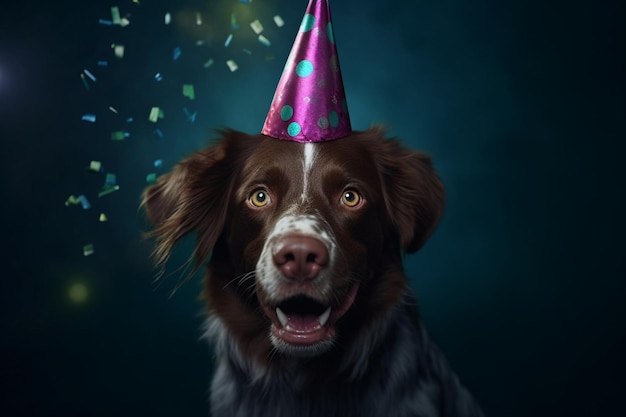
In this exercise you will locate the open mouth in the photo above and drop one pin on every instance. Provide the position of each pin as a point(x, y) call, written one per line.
point(304, 321)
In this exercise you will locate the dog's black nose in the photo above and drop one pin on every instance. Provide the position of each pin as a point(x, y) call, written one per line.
point(300, 257)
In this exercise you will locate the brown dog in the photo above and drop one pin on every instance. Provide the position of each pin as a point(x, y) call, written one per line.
point(310, 313)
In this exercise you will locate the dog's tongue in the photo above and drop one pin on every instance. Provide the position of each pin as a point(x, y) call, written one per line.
point(303, 330)
point(302, 324)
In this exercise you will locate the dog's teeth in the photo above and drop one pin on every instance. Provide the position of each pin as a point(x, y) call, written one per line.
point(281, 316)
point(324, 317)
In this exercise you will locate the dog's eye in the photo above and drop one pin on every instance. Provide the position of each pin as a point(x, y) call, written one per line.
point(350, 198)
point(259, 198)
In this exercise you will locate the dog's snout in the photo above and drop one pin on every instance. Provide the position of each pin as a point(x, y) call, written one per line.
point(300, 257)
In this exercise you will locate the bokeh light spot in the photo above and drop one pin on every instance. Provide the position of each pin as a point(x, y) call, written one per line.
point(78, 293)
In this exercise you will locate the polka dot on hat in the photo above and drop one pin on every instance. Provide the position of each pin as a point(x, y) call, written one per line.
point(304, 68)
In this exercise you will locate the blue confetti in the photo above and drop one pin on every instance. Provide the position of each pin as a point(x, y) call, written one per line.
point(264, 40)
point(190, 116)
point(110, 180)
point(90, 75)
point(230, 38)
point(177, 53)
point(158, 163)
point(89, 118)
point(84, 202)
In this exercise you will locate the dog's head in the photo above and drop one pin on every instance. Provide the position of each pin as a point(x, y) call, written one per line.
point(304, 242)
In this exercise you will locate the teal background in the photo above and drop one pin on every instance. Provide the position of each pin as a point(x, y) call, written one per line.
point(521, 105)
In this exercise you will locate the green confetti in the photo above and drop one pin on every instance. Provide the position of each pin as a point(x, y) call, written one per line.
point(118, 135)
point(155, 114)
point(188, 91)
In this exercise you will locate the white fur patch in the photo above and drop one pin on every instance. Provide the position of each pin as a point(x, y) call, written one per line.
point(309, 156)
point(268, 276)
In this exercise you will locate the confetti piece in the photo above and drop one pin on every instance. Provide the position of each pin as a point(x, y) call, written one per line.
point(72, 201)
point(208, 63)
point(89, 118)
point(151, 178)
point(158, 163)
point(108, 191)
point(230, 38)
point(95, 166)
point(84, 80)
point(188, 91)
point(177, 53)
point(158, 76)
point(88, 249)
point(103, 63)
point(233, 22)
point(84, 202)
point(232, 65)
point(159, 133)
point(124, 22)
point(155, 114)
point(279, 21)
point(198, 18)
point(119, 50)
point(113, 109)
point(90, 75)
point(105, 22)
point(245, 1)
point(190, 116)
point(264, 40)
point(129, 120)
point(115, 15)
point(246, 51)
point(257, 27)
point(110, 180)
point(168, 18)
point(269, 57)
point(103, 218)
point(119, 135)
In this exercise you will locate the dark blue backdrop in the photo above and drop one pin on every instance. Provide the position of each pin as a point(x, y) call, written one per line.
point(520, 103)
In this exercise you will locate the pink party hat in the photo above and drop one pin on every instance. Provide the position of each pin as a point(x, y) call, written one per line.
point(309, 104)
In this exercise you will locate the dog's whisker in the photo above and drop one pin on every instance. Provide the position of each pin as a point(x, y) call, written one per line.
point(247, 278)
point(240, 279)
point(250, 292)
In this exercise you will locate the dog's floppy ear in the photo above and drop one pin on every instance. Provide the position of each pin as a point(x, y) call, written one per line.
point(194, 196)
point(414, 194)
